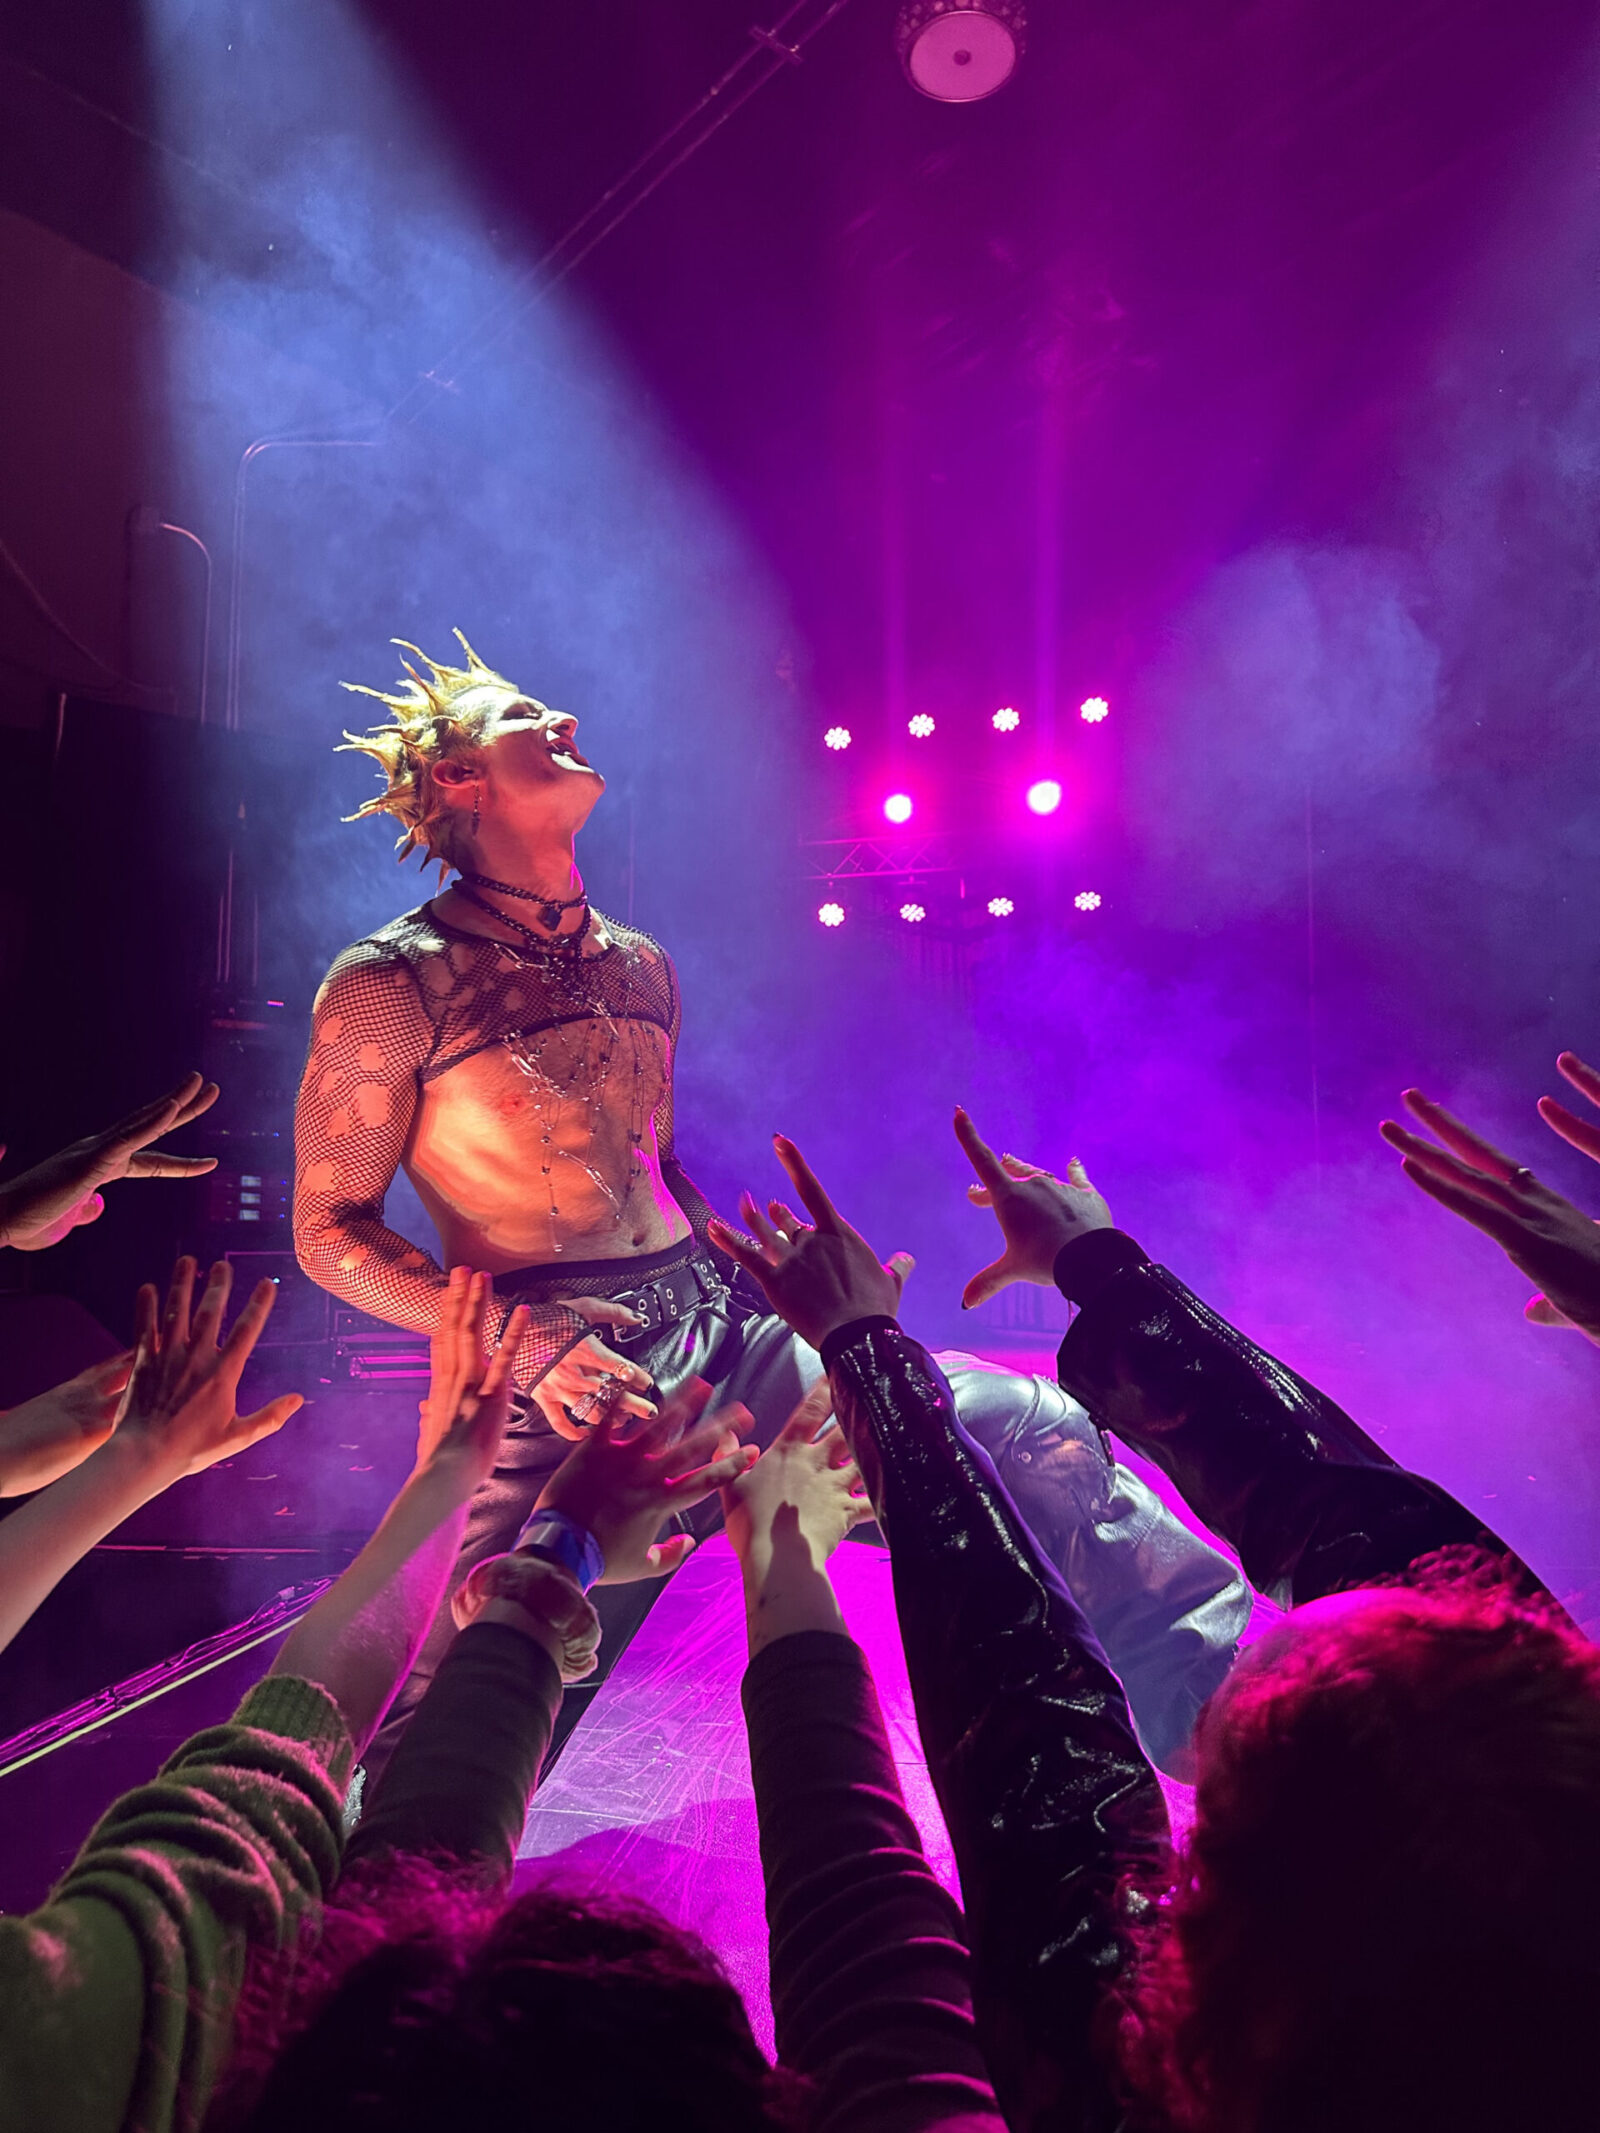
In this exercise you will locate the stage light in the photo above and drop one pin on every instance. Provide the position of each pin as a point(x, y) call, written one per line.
point(920, 727)
point(1006, 719)
point(1087, 900)
point(1001, 907)
point(830, 914)
point(1093, 709)
point(913, 914)
point(957, 51)
point(836, 737)
point(1044, 797)
point(897, 808)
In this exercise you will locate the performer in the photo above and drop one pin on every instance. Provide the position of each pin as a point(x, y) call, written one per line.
point(512, 1048)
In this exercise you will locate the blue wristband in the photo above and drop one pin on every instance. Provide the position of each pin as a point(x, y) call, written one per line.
point(574, 1547)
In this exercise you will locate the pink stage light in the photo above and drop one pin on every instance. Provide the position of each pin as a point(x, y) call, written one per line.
point(1094, 709)
point(1087, 900)
point(1001, 907)
point(830, 914)
point(913, 914)
point(919, 727)
point(897, 808)
point(836, 737)
point(1044, 796)
point(1006, 719)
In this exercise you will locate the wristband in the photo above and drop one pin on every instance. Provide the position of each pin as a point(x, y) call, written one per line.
point(564, 1541)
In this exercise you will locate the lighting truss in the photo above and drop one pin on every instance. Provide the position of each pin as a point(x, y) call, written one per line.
point(878, 858)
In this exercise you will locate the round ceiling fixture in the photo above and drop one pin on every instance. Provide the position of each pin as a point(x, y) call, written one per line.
point(957, 52)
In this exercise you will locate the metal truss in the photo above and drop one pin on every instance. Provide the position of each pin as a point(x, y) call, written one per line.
point(878, 858)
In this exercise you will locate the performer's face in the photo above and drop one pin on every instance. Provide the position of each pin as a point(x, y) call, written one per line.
point(535, 767)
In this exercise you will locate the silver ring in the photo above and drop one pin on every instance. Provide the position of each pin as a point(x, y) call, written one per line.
point(1520, 1175)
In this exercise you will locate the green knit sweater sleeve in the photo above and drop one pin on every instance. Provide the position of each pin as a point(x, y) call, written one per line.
point(116, 1998)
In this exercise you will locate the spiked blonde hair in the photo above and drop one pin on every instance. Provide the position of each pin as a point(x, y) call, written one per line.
point(430, 725)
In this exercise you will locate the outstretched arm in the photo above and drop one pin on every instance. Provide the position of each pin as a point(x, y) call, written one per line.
point(1309, 1503)
point(1045, 1791)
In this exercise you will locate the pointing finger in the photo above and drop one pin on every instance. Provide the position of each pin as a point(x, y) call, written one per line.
point(981, 1156)
point(1472, 1147)
point(807, 1184)
point(1583, 1077)
point(1576, 1132)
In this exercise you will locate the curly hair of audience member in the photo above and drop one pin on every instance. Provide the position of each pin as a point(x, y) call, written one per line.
point(425, 2002)
point(1386, 1910)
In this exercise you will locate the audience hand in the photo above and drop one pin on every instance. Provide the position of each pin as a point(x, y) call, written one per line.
point(816, 1279)
point(804, 1487)
point(1542, 1234)
point(624, 1488)
point(179, 1416)
point(468, 1405)
point(1037, 1212)
point(49, 1435)
point(41, 1206)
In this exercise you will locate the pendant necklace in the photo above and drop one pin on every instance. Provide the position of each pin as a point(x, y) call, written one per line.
point(550, 907)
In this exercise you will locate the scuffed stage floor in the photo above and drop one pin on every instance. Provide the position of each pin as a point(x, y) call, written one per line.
point(652, 1795)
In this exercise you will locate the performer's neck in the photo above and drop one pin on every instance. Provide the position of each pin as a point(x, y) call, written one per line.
point(547, 866)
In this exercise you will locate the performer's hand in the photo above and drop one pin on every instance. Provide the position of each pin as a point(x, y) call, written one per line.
point(624, 1488)
point(538, 1598)
point(1542, 1234)
point(591, 1377)
point(816, 1278)
point(43, 1204)
point(179, 1413)
point(1037, 1213)
point(803, 1494)
point(469, 1394)
point(55, 1431)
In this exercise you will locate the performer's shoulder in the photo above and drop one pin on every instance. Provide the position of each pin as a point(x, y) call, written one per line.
point(388, 955)
point(636, 939)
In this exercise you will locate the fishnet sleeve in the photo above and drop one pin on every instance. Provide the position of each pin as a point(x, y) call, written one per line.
point(676, 1179)
point(370, 1035)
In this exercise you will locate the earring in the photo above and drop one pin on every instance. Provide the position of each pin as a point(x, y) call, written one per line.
point(477, 798)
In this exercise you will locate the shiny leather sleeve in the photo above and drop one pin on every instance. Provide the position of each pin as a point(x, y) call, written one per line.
point(1309, 1503)
point(1046, 1794)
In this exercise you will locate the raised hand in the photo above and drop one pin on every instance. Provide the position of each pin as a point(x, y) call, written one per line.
point(1540, 1232)
point(805, 1486)
point(624, 1488)
point(43, 1204)
point(468, 1402)
point(591, 1376)
point(180, 1401)
point(1038, 1213)
point(55, 1431)
point(816, 1278)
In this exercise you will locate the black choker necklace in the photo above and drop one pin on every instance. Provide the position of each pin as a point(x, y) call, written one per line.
point(567, 947)
point(550, 907)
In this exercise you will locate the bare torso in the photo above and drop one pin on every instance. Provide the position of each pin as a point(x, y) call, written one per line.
point(519, 1165)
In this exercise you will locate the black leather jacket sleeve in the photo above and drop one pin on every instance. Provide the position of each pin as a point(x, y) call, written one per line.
point(1046, 1794)
point(1309, 1503)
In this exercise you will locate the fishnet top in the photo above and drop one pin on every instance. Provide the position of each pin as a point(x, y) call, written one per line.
point(418, 997)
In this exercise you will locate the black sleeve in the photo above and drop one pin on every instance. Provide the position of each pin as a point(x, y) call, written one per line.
point(1310, 1504)
point(871, 1992)
point(459, 1781)
point(1045, 1791)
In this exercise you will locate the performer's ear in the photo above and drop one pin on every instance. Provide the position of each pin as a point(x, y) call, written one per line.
point(452, 774)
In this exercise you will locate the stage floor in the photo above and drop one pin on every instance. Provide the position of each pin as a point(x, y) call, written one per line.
point(652, 1795)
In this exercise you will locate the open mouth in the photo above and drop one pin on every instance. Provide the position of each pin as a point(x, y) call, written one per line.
point(567, 756)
